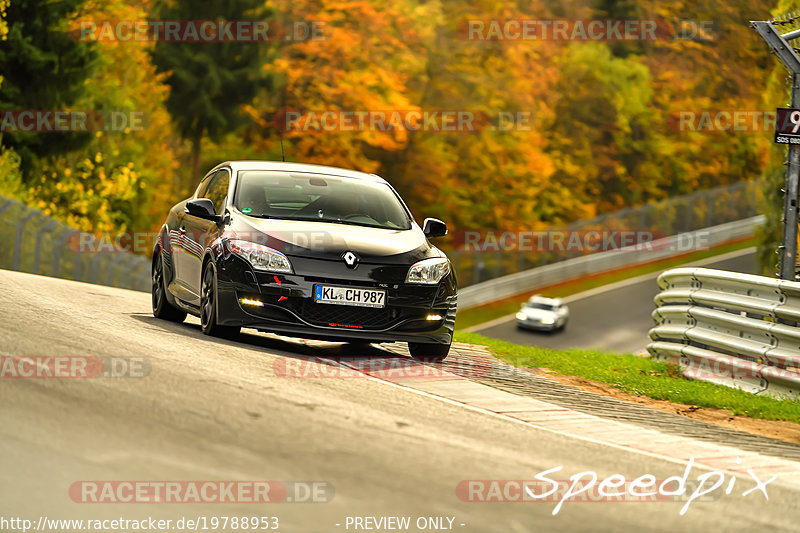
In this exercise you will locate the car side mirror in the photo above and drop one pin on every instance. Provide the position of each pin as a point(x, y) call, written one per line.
point(433, 227)
point(202, 208)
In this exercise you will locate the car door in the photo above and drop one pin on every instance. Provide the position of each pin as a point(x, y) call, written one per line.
point(201, 232)
point(180, 250)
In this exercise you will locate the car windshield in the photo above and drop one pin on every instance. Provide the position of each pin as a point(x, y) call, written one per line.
point(539, 305)
point(319, 197)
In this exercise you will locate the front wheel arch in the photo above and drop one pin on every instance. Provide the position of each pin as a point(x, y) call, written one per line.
point(206, 260)
point(209, 323)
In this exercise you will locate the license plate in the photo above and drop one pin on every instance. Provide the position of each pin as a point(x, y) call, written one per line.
point(326, 294)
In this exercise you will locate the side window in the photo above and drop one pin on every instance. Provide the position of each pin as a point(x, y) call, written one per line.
point(217, 190)
point(201, 190)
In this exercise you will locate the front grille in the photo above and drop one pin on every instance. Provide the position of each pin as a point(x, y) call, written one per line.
point(345, 315)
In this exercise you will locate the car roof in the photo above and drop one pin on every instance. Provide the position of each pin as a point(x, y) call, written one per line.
point(236, 166)
point(543, 300)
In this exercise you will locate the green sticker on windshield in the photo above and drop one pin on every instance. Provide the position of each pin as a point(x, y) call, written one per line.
point(247, 210)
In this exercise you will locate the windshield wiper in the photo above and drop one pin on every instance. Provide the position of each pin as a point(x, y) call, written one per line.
point(336, 221)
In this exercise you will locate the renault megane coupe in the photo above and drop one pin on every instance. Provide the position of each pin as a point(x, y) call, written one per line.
point(306, 251)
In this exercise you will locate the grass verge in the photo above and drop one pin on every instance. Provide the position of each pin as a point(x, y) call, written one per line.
point(485, 313)
point(640, 376)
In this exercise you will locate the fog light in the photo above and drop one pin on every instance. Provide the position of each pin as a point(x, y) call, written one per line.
point(434, 317)
point(252, 301)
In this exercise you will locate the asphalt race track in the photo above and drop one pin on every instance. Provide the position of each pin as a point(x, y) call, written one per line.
point(206, 409)
point(616, 317)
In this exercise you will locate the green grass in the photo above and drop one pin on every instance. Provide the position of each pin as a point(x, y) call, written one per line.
point(640, 376)
point(485, 313)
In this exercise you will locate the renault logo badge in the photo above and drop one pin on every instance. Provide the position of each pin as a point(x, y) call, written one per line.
point(350, 259)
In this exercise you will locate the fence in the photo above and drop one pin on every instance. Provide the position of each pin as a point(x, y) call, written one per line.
point(681, 214)
point(733, 329)
point(30, 241)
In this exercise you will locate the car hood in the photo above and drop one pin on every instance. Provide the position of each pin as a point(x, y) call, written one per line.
point(325, 240)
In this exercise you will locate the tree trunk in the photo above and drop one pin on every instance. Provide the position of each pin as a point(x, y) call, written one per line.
point(196, 149)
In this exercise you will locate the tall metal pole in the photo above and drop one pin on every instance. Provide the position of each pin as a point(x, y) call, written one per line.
point(788, 55)
point(789, 240)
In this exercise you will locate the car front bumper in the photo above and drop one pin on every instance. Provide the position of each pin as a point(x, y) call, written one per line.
point(537, 325)
point(288, 306)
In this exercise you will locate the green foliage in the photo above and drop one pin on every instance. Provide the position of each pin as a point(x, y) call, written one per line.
point(210, 82)
point(605, 131)
point(126, 81)
point(10, 175)
point(768, 236)
point(97, 196)
point(3, 21)
point(43, 69)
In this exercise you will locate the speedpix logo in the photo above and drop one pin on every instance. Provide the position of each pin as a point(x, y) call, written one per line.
point(587, 487)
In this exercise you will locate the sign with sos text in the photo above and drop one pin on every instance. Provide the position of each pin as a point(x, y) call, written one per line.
point(787, 126)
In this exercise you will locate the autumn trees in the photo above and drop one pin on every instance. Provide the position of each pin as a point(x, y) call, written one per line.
point(210, 81)
point(42, 68)
point(565, 130)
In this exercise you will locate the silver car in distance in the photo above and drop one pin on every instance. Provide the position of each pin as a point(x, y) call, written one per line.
point(543, 314)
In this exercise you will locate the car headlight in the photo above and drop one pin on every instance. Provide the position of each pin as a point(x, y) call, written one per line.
point(428, 271)
point(261, 257)
point(522, 316)
point(548, 320)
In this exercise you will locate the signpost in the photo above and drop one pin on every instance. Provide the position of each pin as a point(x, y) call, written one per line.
point(787, 131)
point(787, 126)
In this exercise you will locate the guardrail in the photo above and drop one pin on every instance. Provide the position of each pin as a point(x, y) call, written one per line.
point(33, 242)
point(529, 280)
point(672, 216)
point(733, 329)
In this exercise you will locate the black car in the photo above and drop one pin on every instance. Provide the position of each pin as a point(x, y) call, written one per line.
point(307, 251)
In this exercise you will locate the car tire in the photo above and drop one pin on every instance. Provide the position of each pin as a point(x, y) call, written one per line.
point(428, 352)
point(161, 307)
point(208, 307)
